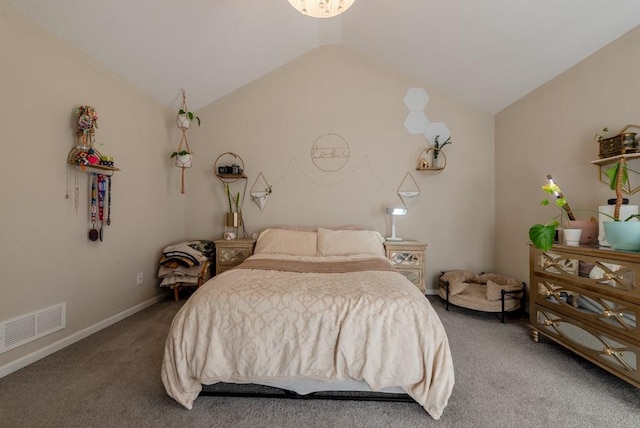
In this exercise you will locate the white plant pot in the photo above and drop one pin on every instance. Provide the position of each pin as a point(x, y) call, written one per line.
point(183, 161)
point(183, 122)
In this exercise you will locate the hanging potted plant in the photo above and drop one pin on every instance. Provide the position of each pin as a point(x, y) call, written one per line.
point(183, 153)
point(185, 118)
point(183, 158)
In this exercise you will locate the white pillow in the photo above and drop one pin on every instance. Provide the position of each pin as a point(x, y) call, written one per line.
point(282, 241)
point(349, 242)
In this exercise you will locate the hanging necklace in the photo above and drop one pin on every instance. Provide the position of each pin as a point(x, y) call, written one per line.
point(77, 194)
point(108, 201)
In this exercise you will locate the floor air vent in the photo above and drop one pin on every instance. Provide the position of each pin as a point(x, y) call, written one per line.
point(23, 329)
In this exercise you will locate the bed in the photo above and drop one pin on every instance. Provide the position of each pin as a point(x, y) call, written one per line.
point(311, 311)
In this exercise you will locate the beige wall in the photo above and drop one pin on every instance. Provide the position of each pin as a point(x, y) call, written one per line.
point(46, 257)
point(272, 123)
point(550, 131)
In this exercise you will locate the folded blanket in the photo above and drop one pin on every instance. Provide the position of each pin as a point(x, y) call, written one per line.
point(165, 271)
point(188, 253)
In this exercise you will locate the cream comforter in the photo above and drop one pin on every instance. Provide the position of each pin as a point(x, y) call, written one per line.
point(252, 325)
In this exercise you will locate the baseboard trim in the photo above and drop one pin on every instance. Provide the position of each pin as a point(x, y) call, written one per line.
point(431, 292)
point(76, 337)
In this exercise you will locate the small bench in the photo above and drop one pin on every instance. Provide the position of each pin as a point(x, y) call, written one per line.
point(486, 292)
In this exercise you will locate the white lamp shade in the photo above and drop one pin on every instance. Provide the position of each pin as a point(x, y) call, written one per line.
point(321, 8)
point(397, 211)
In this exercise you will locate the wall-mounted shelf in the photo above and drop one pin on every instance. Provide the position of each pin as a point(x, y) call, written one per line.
point(73, 158)
point(98, 169)
point(230, 176)
point(628, 188)
point(227, 160)
point(614, 159)
point(428, 168)
point(428, 161)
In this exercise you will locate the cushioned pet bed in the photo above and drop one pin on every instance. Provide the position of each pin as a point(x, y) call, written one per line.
point(328, 318)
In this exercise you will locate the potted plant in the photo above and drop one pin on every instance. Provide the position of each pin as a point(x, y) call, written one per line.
point(543, 235)
point(183, 158)
point(234, 216)
point(622, 234)
point(185, 118)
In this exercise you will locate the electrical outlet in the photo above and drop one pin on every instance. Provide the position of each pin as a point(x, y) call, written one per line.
point(139, 278)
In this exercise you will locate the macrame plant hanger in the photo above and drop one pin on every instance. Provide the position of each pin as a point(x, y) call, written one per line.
point(183, 125)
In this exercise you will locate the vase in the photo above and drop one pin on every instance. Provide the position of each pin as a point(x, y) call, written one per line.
point(623, 235)
point(234, 219)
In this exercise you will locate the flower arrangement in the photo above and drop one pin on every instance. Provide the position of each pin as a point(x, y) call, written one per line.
point(439, 146)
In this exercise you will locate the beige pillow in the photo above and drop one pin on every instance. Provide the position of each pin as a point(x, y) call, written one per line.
point(349, 242)
point(494, 288)
point(282, 241)
point(458, 280)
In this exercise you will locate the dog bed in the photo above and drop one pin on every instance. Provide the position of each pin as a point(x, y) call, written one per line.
point(486, 292)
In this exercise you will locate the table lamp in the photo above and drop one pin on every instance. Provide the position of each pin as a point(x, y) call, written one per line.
point(394, 212)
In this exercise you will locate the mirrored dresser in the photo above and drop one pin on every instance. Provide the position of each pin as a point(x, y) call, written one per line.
point(587, 299)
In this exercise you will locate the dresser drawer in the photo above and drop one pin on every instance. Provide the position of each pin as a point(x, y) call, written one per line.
point(619, 316)
point(414, 275)
point(609, 351)
point(406, 258)
point(617, 278)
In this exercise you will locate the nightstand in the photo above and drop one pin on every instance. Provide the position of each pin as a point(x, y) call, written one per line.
point(408, 259)
point(232, 252)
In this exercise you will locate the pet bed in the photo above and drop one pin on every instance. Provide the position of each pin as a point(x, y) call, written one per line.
point(486, 292)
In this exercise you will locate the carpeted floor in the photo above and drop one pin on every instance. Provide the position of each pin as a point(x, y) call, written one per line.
point(112, 379)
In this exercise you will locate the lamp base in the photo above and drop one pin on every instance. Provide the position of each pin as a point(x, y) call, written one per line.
point(393, 238)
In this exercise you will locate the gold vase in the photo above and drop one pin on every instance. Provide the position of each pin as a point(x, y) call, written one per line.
point(234, 219)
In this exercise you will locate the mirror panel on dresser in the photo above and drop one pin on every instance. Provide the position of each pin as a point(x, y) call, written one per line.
point(587, 299)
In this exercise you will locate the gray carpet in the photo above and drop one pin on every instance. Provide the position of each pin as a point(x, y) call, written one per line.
point(112, 379)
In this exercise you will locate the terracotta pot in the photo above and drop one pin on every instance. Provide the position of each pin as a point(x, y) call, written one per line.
point(589, 230)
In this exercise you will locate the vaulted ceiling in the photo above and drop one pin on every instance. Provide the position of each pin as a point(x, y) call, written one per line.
point(488, 53)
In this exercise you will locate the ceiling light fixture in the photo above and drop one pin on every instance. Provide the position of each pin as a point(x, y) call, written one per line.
point(321, 8)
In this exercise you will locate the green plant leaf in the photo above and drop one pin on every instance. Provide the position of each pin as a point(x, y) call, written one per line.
point(542, 235)
point(612, 173)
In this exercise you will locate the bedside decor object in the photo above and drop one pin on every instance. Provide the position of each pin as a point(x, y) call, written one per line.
point(393, 212)
point(321, 8)
point(183, 153)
